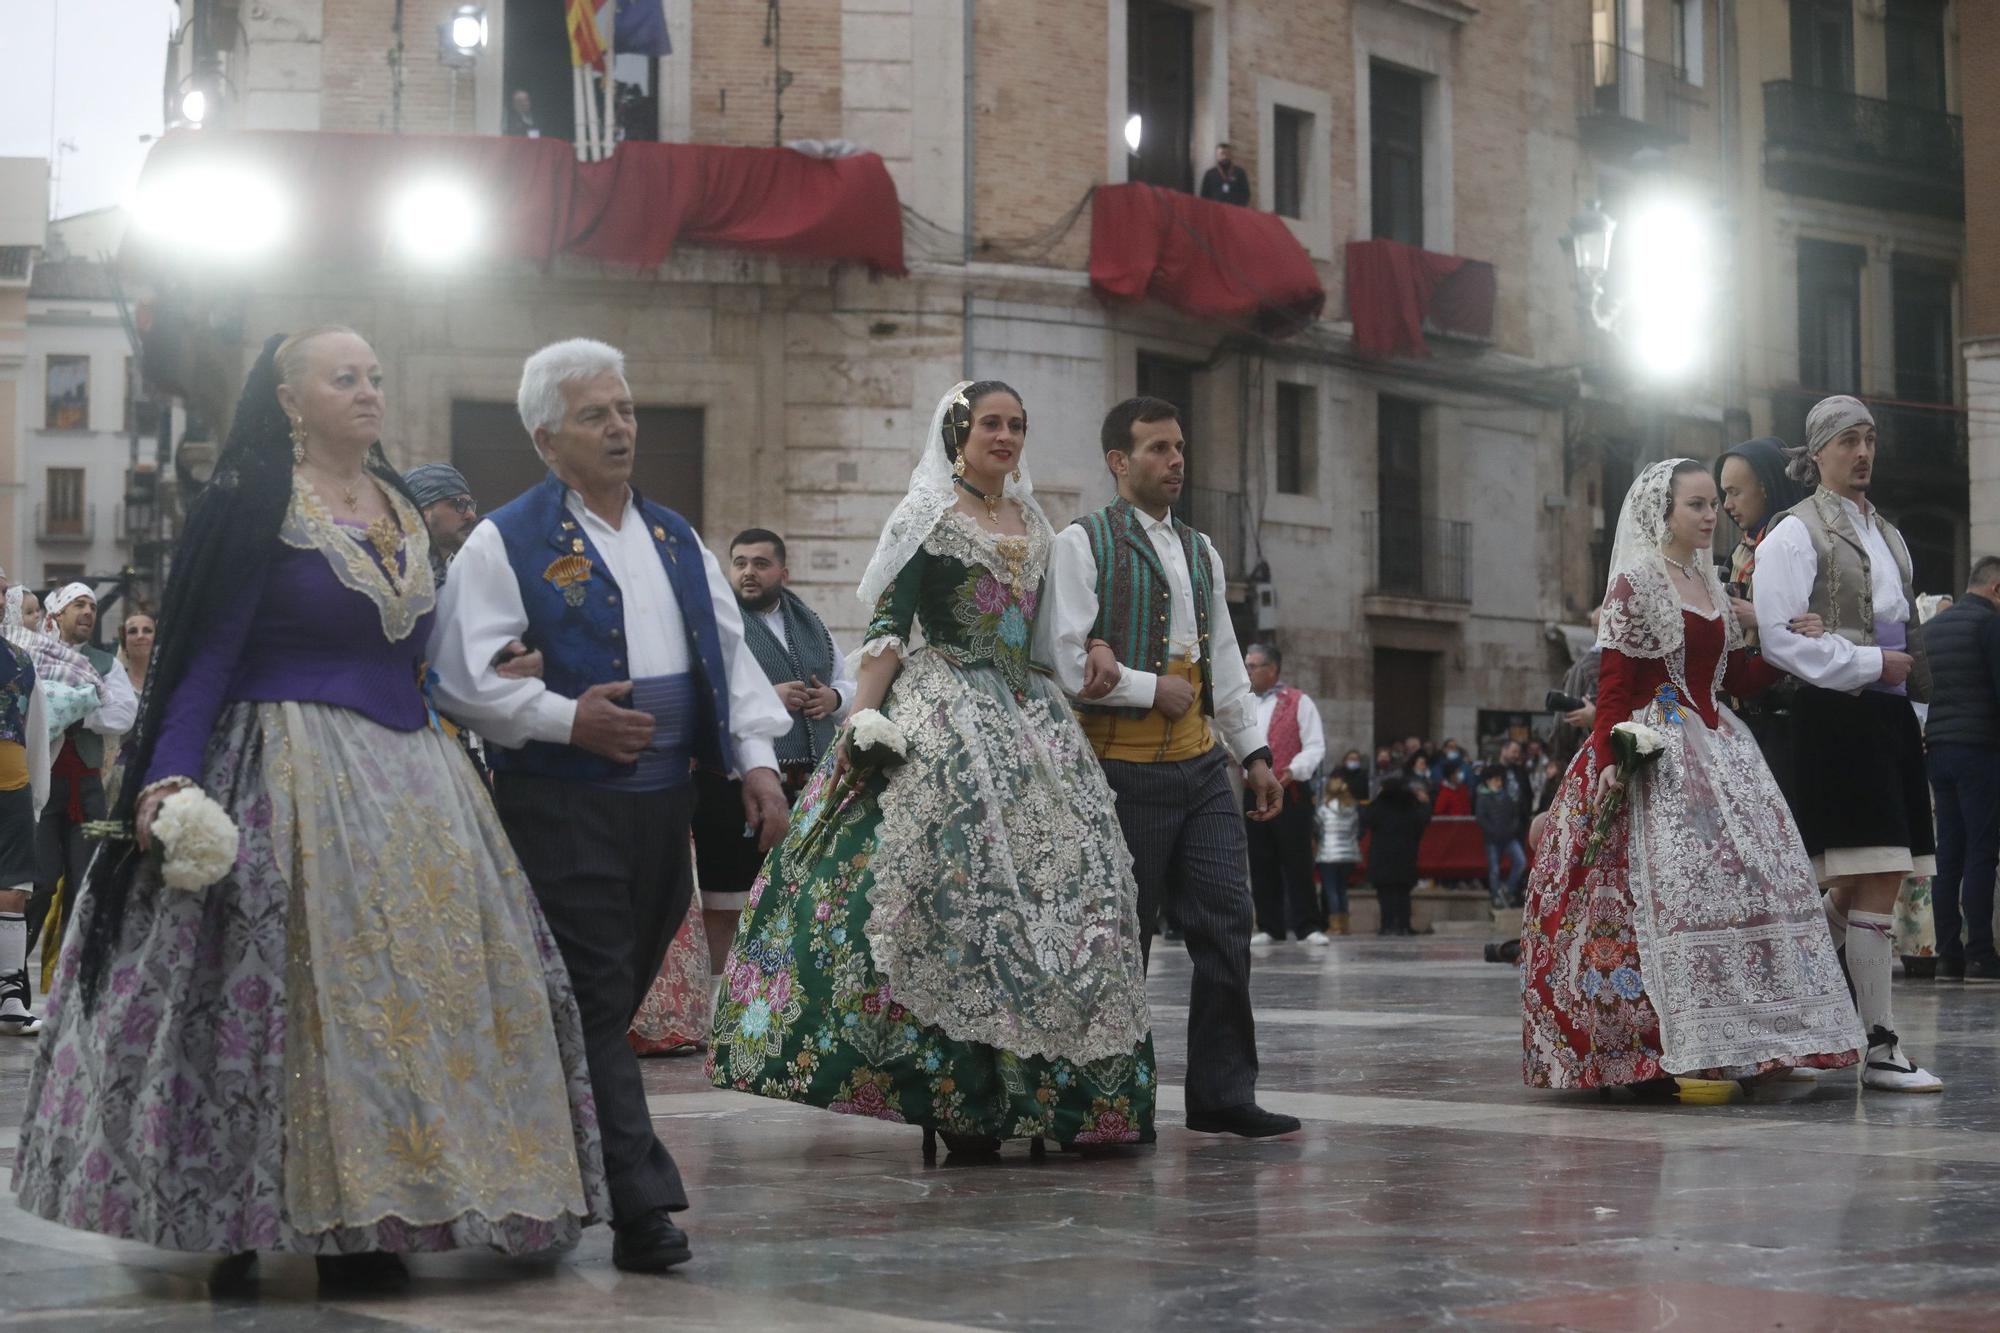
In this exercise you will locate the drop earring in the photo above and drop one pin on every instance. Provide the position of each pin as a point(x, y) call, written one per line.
point(958, 466)
point(298, 440)
point(1017, 476)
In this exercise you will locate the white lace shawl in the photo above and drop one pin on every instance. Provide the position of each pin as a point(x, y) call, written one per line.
point(1642, 608)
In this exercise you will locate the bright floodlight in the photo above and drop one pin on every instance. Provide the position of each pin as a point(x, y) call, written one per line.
point(194, 106)
point(462, 36)
point(1134, 128)
point(468, 30)
point(435, 222)
point(213, 210)
point(1668, 265)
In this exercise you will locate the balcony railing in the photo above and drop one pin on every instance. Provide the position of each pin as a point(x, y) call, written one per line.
point(1414, 556)
point(1629, 100)
point(1219, 514)
point(66, 526)
point(1830, 144)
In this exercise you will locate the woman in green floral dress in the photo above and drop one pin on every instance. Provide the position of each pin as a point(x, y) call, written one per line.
point(952, 942)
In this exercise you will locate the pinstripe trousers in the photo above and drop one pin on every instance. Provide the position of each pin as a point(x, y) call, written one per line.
point(1185, 829)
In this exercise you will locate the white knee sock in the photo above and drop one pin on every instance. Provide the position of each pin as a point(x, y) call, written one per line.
point(1836, 920)
point(13, 943)
point(1870, 956)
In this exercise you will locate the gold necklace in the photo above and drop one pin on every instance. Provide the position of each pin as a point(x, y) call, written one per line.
point(350, 491)
point(992, 501)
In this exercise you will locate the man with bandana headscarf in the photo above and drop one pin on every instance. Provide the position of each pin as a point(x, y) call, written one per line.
point(1864, 797)
point(444, 497)
point(76, 787)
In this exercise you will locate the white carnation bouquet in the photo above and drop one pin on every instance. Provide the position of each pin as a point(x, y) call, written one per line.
point(874, 742)
point(1634, 746)
point(198, 840)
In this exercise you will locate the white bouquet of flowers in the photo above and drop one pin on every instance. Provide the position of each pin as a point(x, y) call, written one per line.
point(1634, 746)
point(198, 840)
point(873, 741)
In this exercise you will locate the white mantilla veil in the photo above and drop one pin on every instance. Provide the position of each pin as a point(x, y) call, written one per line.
point(1642, 608)
point(931, 493)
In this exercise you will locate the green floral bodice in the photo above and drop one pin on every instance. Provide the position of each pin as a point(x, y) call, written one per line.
point(974, 592)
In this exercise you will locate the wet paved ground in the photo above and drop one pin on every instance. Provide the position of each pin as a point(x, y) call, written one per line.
point(1429, 1188)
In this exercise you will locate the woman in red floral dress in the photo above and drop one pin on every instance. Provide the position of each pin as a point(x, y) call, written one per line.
point(1694, 945)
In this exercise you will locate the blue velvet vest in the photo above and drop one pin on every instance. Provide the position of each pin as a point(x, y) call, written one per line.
point(576, 618)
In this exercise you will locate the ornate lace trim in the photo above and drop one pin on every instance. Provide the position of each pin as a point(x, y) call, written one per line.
point(962, 539)
point(888, 643)
point(309, 526)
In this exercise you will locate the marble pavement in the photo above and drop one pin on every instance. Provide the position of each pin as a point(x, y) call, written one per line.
point(1428, 1189)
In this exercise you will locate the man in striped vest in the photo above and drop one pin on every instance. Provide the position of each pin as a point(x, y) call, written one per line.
point(1135, 626)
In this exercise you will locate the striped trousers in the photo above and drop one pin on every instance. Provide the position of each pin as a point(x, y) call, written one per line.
point(1185, 829)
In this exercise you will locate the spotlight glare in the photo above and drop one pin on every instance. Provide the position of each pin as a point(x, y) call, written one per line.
point(468, 32)
point(194, 106)
point(1134, 130)
point(1669, 275)
point(215, 210)
point(435, 222)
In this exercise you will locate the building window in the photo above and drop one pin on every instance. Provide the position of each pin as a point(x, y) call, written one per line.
point(1298, 439)
point(1399, 495)
point(142, 409)
point(1830, 317)
point(1924, 345)
point(1823, 44)
point(64, 501)
point(1688, 44)
point(1159, 93)
point(1396, 153)
point(1914, 31)
point(55, 576)
point(1291, 140)
point(68, 393)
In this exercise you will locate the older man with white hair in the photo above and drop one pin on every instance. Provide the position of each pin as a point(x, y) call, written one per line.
point(1864, 803)
point(76, 774)
point(645, 671)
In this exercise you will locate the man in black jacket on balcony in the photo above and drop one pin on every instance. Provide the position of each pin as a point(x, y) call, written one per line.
point(1225, 182)
point(1963, 740)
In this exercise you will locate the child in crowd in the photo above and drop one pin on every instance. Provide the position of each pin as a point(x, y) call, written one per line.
point(1499, 819)
point(1339, 850)
point(1453, 796)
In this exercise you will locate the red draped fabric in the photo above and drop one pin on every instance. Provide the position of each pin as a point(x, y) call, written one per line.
point(1206, 259)
point(1452, 849)
point(1392, 288)
point(541, 202)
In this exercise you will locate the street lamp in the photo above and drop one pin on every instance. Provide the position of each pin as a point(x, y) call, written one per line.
point(1589, 245)
point(1656, 305)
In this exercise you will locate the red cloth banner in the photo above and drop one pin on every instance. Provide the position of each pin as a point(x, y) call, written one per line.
point(1392, 288)
point(540, 202)
point(1452, 849)
point(1205, 259)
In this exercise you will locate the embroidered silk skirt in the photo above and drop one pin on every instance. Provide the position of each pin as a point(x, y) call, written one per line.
point(362, 1039)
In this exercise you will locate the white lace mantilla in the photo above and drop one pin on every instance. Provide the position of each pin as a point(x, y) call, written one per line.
point(1738, 962)
point(400, 603)
point(1004, 909)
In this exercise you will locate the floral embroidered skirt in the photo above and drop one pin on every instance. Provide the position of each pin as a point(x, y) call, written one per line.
point(678, 1008)
point(1716, 926)
point(998, 829)
point(362, 1039)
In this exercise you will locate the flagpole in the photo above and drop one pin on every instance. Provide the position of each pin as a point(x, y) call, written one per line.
point(611, 86)
point(576, 97)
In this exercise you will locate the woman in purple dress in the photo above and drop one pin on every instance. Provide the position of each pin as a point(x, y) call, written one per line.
point(360, 1042)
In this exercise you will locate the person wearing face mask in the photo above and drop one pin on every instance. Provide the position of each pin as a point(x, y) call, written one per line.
point(1672, 925)
point(1354, 772)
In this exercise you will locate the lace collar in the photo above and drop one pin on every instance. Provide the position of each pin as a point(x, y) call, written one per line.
point(1012, 559)
point(400, 600)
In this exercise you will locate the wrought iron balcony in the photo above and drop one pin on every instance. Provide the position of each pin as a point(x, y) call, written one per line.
point(1411, 555)
point(1829, 144)
point(1627, 101)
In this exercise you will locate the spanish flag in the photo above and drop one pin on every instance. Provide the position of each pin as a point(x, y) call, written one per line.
point(586, 46)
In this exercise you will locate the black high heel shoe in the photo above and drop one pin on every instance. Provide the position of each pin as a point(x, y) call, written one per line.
point(369, 1270)
point(962, 1147)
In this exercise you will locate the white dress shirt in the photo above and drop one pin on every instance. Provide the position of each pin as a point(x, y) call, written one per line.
point(1069, 609)
point(1787, 567)
point(120, 709)
point(1312, 736)
point(843, 680)
point(480, 611)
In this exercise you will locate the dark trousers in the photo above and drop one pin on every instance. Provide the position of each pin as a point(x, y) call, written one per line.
point(1965, 779)
point(61, 850)
point(611, 871)
point(1281, 870)
point(1394, 902)
point(1185, 830)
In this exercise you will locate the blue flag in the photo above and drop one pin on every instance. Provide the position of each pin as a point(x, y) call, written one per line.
point(642, 28)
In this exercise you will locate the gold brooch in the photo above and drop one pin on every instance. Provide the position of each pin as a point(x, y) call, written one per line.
point(569, 573)
point(659, 533)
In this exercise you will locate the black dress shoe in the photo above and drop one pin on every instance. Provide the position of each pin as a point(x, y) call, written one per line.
point(1988, 970)
point(970, 1147)
point(1249, 1121)
point(650, 1243)
point(370, 1270)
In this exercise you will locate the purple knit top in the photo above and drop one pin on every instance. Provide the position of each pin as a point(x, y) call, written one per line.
point(294, 635)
